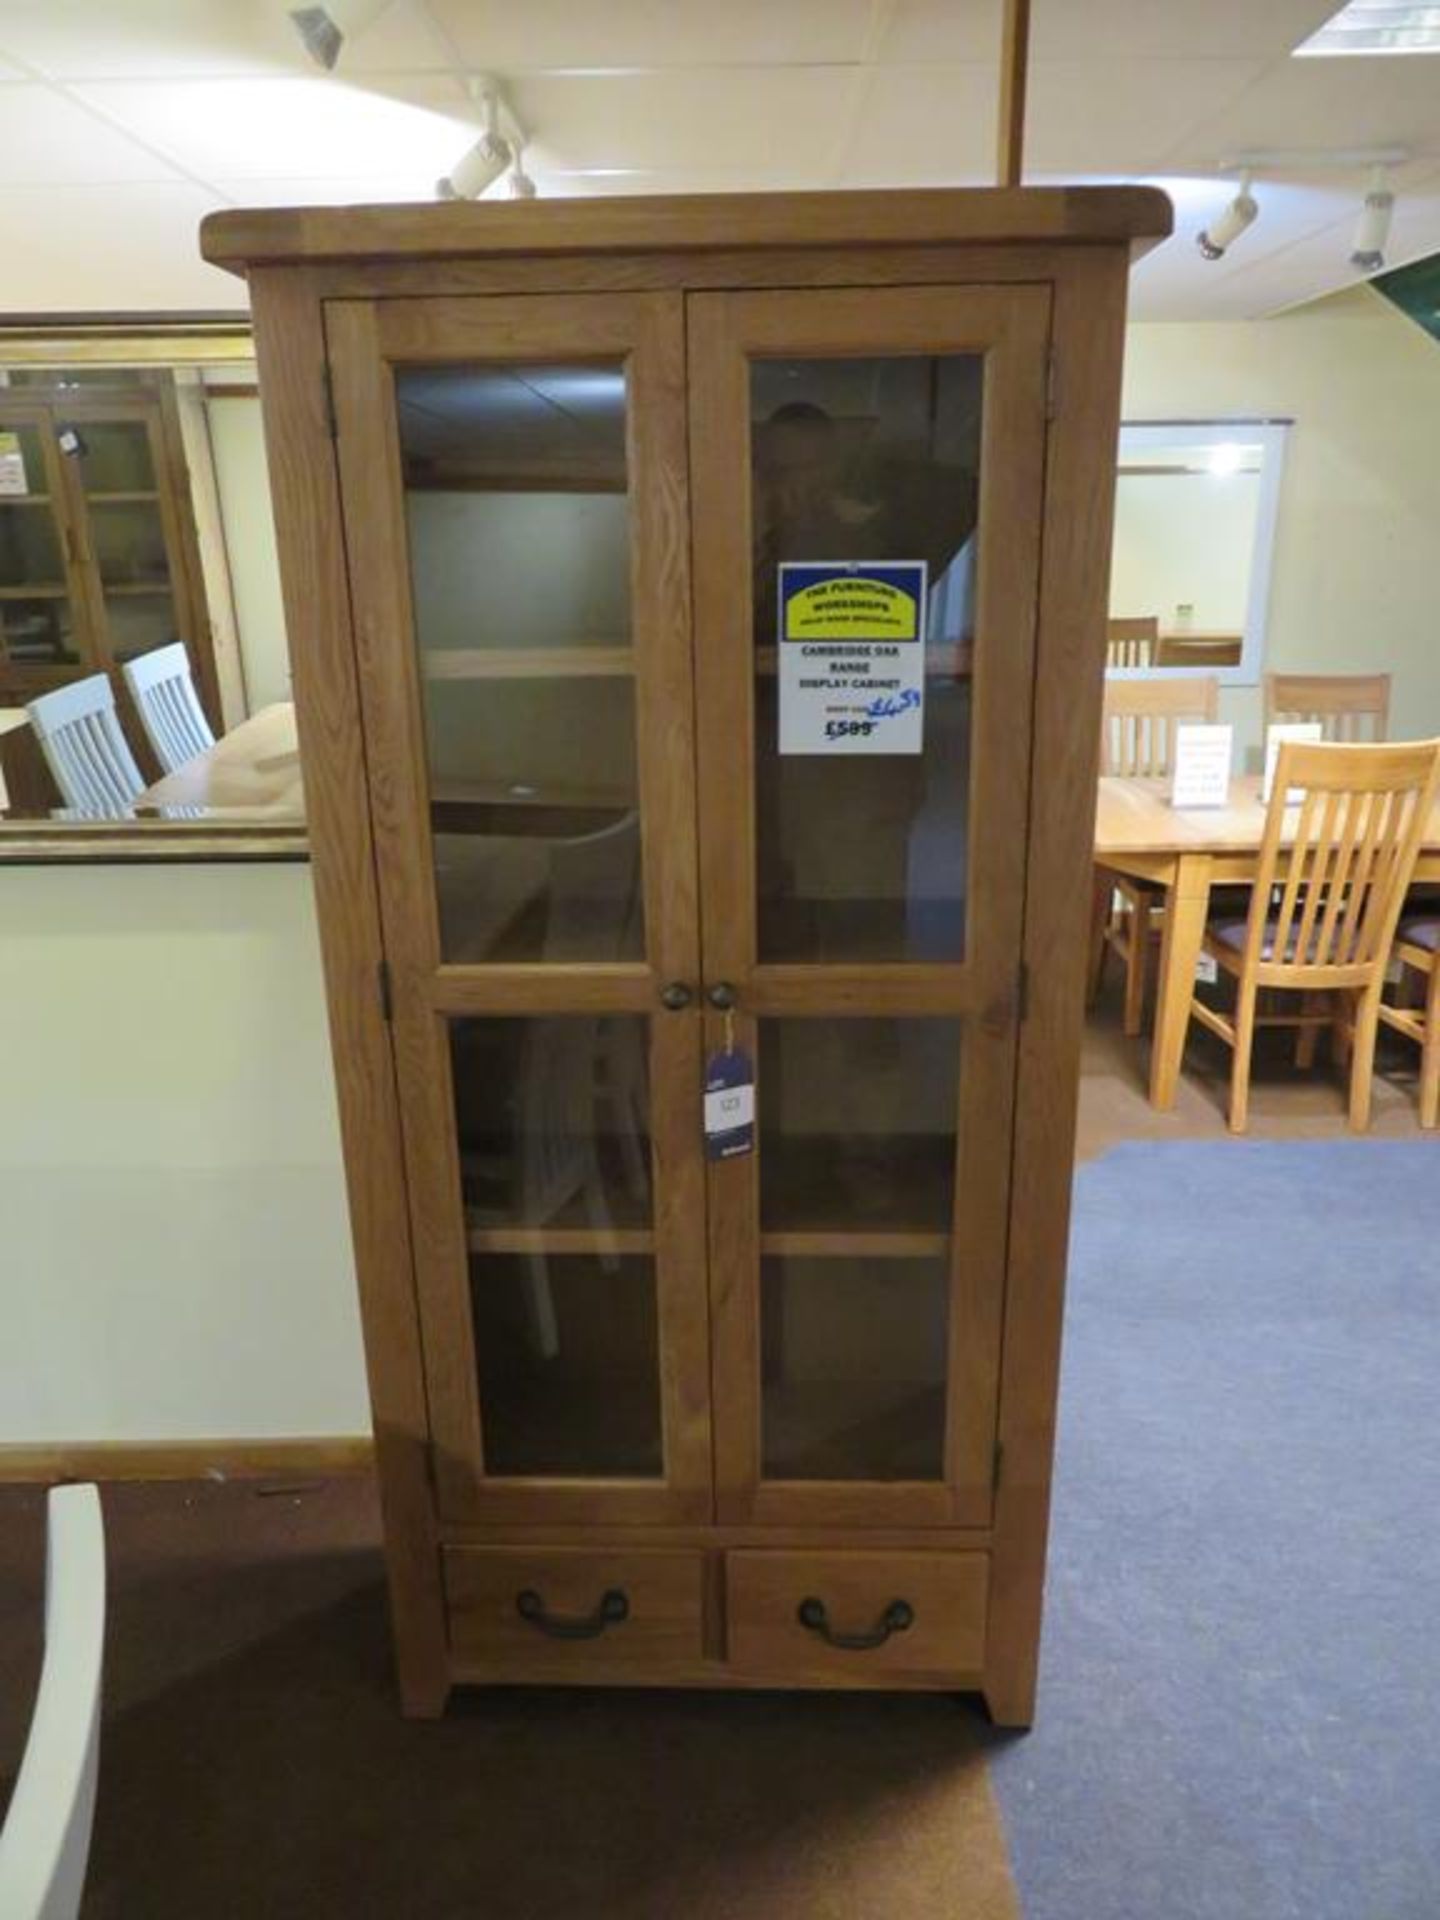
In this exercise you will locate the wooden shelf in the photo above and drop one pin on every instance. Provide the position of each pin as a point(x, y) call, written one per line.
point(528, 663)
point(558, 1240)
point(24, 499)
point(120, 498)
point(854, 1243)
point(34, 593)
point(133, 589)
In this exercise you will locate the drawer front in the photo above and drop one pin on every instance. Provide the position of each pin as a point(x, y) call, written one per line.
point(864, 1613)
point(568, 1609)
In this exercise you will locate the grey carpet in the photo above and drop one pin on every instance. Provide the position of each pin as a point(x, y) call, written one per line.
point(1240, 1699)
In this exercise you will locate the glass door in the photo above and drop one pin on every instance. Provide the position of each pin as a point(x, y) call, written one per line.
point(514, 488)
point(866, 480)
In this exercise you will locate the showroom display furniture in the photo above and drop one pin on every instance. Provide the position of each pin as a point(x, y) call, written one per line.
point(785, 1416)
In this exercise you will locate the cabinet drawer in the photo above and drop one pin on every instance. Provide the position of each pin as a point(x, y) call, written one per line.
point(566, 1609)
point(902, 1612)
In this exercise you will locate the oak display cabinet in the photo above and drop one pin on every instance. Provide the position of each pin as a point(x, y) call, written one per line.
point(643, 1416)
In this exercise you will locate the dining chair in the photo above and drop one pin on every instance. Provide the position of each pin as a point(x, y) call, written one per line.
point(164, 694)
point(1324, 908)
point(1417, 947)
point(45, 1842)
point(1348, 706)
point(1131, 642)
point(1138, 738)
point(79, 734)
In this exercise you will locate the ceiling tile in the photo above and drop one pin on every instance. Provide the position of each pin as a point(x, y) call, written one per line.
point(499, 36)
point(950, 32)
point(1124, 116)
point(923, 126)
point(787, 118)
point(297, 128)
point(46, 137)
point(1110, 30)
point(117, 248)
point(1325, 104)
point(194, 39)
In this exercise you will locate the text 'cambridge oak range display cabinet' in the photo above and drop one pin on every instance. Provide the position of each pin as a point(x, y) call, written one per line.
point(697, 610)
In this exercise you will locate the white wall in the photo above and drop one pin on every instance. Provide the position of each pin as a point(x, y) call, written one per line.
point(1356, 585)
point(175, 1256)
point(242, 478)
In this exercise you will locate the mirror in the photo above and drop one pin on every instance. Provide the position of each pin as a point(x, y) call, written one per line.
point(1195, 505)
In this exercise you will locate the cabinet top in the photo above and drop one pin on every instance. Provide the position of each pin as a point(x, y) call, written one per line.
point(1137, 217)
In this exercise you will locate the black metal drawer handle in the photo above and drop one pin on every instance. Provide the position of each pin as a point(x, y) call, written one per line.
point(614, 1606)
point(895, 1619)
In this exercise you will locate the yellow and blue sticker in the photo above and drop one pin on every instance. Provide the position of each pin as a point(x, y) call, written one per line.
point(852, 656)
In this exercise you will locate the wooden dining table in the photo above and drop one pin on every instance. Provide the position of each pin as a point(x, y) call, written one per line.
point(1187, 851)
point(252, 771)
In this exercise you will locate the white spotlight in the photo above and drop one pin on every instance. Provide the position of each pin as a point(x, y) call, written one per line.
point(323, 30)
point(1372, 229)
point(483, 165)
point(1224, 232)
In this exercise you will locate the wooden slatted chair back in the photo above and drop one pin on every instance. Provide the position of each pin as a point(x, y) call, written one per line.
point(1140, 718)
point(170, 712)
point(79, 734)
point(1132, 642)
point(1359, 822)
point(1350, 707)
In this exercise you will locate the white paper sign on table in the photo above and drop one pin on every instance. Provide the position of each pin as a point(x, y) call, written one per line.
point(1274, 736)
point(1201, 772)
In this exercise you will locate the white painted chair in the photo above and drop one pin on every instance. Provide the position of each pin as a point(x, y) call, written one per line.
point(165, 698)
point(79, 734)
point(45, 1842)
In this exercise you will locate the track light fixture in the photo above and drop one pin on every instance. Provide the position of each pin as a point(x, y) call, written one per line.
point(1372, 230)
point(1224, 232)
point(484, 163)
point(323, 30)
point(522, 187)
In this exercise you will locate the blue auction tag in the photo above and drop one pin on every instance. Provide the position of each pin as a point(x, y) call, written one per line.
point(729, 1105)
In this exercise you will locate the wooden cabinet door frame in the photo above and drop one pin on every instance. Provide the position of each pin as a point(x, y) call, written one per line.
point(366, 342)
point(1010, 326)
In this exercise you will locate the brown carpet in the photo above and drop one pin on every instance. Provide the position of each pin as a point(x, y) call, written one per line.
point(254, 1762)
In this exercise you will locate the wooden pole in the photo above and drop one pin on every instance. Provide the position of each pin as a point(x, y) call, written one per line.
point(1014, 60)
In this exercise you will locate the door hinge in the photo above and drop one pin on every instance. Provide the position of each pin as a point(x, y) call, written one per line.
point(387, 1000)
point(1022, 994)
point(332, 425)
point(997, 1467)
point(1052, 385)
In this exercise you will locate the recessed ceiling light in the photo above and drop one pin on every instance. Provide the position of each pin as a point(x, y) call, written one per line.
point(1377, 26)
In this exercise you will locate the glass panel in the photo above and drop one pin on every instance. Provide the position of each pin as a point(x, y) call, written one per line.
point(519, 534)
point(129, 538)
point(861, 841)
point(853, 1368)
point(857, 1183)
point(553, 1130)
point(38, 632)
point(29, 545)
point(138, 619)
point(857, 1124)
point(114, 455)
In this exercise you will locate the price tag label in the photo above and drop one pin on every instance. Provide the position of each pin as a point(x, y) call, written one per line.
point(729, 1105)
point(1201, 775)
point(851, 652)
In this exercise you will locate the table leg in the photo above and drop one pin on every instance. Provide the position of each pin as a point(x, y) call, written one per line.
point(1185, 910)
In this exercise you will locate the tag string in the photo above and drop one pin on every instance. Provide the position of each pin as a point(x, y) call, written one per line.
point(729, 1030)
